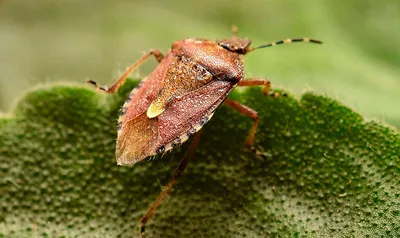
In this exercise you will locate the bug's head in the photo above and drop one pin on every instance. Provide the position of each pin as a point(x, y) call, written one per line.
point(235, 44)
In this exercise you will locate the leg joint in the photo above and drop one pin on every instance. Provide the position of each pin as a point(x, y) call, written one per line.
point(157, 54)
point(255, 116)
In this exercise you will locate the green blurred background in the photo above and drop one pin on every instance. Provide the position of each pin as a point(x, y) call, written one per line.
point(73, 40)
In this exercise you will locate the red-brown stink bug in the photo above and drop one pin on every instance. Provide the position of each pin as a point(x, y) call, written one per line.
point(180, 96)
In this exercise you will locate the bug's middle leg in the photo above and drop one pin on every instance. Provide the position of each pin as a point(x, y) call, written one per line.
point(157, 54)
point(249, 113)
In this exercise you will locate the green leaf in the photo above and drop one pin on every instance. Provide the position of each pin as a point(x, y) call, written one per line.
point(326, 172)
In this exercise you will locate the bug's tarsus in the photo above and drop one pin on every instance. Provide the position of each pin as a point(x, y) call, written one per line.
point(178, 172)
point(254, 150)
point(142, 228)
point(96, 85)
point(277, 94)
point(258, 152)
point(92, 82)
point(290, 40)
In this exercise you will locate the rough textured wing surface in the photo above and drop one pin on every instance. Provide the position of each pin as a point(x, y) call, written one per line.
point(142, 96)
point(191, 111)
point(181, 96)
point(137, 134)
point(137, 140)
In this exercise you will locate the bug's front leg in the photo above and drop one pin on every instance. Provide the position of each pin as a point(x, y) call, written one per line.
point(261, 82)
point(257, 82)
point(249, 113)
point(114, 88)
point(253, 115)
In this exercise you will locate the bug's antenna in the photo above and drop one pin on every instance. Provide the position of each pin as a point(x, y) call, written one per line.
point(290, 40)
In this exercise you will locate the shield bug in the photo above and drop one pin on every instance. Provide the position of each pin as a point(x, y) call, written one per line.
point(180, 96)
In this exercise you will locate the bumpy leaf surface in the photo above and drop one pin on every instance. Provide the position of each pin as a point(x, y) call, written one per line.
point(326, 172)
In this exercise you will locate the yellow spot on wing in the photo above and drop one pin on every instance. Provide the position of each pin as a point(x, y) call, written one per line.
point(155, 109)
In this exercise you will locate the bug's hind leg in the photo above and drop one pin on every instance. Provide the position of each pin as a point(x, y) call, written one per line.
point(179, 171)
point(114, 88)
